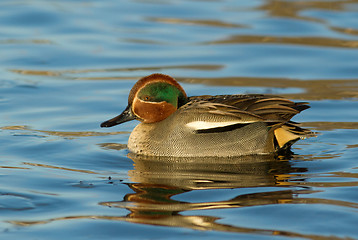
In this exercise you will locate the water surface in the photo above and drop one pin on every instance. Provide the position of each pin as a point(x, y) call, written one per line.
point(66, 66)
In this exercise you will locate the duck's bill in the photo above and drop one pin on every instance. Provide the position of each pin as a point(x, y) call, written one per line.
point(125, 116)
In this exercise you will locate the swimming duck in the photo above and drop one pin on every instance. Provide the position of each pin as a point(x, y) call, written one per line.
point(175, 125)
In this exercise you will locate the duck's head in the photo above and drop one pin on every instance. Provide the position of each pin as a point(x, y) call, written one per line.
point(152, 99)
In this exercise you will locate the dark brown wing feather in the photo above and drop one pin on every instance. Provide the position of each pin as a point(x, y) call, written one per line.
point(266, 106)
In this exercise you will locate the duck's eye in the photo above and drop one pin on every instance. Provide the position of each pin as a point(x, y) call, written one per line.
point(146, 98)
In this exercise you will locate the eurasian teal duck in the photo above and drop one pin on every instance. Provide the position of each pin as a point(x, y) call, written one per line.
point(175, 125)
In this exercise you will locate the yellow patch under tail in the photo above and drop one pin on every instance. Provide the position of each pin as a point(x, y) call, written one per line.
point(284, 136)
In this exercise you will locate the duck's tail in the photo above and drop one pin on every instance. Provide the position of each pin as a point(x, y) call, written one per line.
point(289, 133)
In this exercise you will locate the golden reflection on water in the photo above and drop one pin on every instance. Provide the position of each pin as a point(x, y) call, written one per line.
point(193, 222)
point(333, 89)
point(349, 31)
point(59, 168)
point(307, 41)
point(208, 22)
point(62, 133)
point(292, 9)
point(204, 67)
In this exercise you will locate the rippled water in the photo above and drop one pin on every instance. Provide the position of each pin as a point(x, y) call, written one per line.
point(66, 66)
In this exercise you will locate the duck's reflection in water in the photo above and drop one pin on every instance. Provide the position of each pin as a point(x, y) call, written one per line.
point(157, 180)
point(209, 173)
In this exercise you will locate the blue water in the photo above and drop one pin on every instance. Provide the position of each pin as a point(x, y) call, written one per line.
point(66, 66)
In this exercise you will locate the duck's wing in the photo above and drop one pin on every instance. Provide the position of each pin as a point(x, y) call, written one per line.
point(208, 117)
point(275, 111)
point(266, 106)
